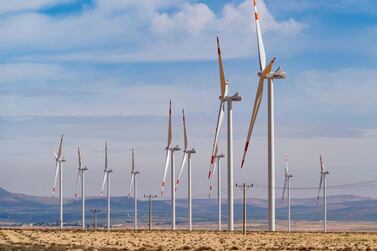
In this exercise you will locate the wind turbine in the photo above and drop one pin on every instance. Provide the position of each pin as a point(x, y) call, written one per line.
point(170, 157)
point(265, 73)
point(133, 182)
point(81, 174)
point(217, 160)
point(322, 182)
point(287, 186)
point(229, 99)
point(106, 179)
point(59, 165)
point(187, 155)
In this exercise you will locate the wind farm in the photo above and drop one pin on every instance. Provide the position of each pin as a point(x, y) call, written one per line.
point(156, 81)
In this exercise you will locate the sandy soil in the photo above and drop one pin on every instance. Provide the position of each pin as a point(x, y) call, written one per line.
point(38, 239)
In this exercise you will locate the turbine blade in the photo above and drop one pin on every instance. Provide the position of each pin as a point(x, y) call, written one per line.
point(60, 147)
point(221, 69)
point(131, 183)
point(133, 162)
point(184, 131)
point(261, 50)
point(166, 170)
point(220, 118)
point(285, 186)
point(169, 128)
point(104, 182)
point(77, 182)
point(211, 180)
point(56, 177)
point(181, 169)
point(320, 181)
point(286, 166)
point(319, 189)
point(321, 162)
point(105, 156)
point(79, 155)
point(54, 153)
point(257, 102)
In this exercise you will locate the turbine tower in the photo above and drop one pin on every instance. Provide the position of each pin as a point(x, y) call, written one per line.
point(322, 182)
point(59, 170)
point(80, 174)
point(106, 180)
point(187, 155)
point(229, 99)
point(170, 157)
point(265, 73)
point(133, 182)
point(217, 160)
point(287, 186)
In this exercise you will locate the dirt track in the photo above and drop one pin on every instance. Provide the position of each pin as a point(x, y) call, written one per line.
point(182, 240)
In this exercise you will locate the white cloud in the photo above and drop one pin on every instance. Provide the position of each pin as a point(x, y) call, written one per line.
point(116, 30)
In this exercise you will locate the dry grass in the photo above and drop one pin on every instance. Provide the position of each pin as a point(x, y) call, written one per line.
point(37, 239)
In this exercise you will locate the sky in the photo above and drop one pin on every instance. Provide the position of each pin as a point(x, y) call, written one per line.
point(105, 70)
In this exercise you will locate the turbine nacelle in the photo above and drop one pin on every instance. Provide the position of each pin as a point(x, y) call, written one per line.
point(192, 151)
point(220, 156)
point(235, 97)
point(175, 148)
point(278, 74)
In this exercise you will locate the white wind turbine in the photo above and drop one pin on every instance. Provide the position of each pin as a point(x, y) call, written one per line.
point(229, 99)
point(287, 186)
point(187, 155)
point(265, 73)
point(217, 160)
point(106, 179)
point(133, 182)
point(59, 170)
point(170, 158)
point(80, 174)
point(322, 182)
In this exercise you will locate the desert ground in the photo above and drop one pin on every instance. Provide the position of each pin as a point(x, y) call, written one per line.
point(52, 239)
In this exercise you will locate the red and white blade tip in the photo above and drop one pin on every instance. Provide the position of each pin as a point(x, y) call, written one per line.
point(212, 159)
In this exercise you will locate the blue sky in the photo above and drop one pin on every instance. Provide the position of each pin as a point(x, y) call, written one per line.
point(106, 69)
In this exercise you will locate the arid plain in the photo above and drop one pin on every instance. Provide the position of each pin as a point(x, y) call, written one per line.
point(39, 239)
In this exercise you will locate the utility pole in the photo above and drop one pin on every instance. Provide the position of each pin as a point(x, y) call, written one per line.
point(150, 197)
point(95, 211)
point(244, 188)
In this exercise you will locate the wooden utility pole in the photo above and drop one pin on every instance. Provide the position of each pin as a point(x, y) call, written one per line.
point(150, 197)
point(244, 188)
point(95, 211)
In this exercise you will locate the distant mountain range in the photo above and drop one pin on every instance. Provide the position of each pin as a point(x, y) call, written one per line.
point(25, 209)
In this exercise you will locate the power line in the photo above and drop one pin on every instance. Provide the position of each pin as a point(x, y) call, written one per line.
point(338, 186)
